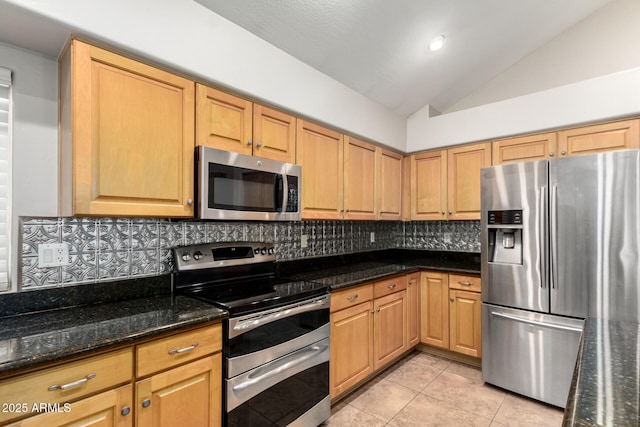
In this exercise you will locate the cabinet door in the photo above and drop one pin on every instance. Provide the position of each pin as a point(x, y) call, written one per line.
point(360, 189)
point(109, 409)
point(132, 137)
point(390, 185)
point(525, 148)
point(413, 310)
point(599, 138)
point(465, 322)
point(351, 347)
point(274, 134)
point(189, 395)
point(389, 328)
point(320, 153)
point(463, 171)
point(429, 186)
point(434, 306)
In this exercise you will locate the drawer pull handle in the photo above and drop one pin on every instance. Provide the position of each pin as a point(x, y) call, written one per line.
point(73, 384)
point(184, 350)
point(353, 297)
point(392, 286)
point(465, 283)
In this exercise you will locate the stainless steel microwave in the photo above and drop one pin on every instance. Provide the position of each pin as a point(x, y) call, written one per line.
point(233, 186)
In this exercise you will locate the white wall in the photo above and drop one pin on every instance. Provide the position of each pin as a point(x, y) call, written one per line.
point(607, 97)
point(34, 138)
point(603, 43)
point(187, 37)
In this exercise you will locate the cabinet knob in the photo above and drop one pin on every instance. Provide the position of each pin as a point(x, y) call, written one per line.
point(259, 144)
point(442, 212)
point(451, 299)
point(564, 153)
point(190, 202)
point(249, 142)
point(125, 411)
point(378, 310)
point(146, 403)
point(551, 154)
point(450, 212)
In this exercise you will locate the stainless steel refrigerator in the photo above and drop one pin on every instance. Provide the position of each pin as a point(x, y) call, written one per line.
point(560, 242)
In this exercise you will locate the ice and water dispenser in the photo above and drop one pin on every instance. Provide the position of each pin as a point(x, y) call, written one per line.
point(505, 236)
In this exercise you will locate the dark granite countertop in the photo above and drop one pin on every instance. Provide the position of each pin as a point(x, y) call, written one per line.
point(27, 340)
point(605, 390)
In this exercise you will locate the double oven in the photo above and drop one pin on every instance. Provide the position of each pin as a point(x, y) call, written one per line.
point(276, 340)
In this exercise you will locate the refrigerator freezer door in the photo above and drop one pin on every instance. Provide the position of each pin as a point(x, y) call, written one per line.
point(514, 260)
point(531, 354)
point(595, 214)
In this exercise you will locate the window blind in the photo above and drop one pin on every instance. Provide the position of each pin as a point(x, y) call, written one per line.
point(5, 174)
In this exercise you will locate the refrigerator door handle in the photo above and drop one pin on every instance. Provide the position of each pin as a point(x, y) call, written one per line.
point(536, 323)
point(542, 218)
point(553, 259)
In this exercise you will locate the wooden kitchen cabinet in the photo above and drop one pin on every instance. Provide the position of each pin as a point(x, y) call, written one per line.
point(109, 409)
point(451, 312)
point(360, 179)
point(389, 328)
point(413, 310)
point(231, 123)
point(190, 391)
point(434, 305)
point(599, 138)
point(525, 148)
point(445, 184)
point(126, 136)
point(390, 189)
point(189, 395)
point(320, 152)
point(465, 331)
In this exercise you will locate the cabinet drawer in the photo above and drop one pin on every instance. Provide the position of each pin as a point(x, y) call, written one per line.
point(177, 349)
point(350, 297)
point(68, 382)
point(389, 286)
point(466, 283)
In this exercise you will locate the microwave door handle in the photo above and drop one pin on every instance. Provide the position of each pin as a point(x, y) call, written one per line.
point(280, 193)
point(284, 195)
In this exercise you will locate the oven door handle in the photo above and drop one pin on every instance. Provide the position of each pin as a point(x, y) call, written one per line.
point(250, 384)
point(244, 324)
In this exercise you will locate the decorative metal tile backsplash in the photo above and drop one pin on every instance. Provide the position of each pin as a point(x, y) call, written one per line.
point(106, 249)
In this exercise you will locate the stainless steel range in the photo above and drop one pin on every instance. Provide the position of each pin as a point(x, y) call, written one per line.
point(276, 340)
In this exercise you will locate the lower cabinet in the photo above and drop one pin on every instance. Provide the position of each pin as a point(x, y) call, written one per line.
point(170, 381)
point(413, 309)
point(451, 312)
point(370, 327)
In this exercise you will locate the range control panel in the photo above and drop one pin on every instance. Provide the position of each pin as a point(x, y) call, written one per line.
point(222, 255)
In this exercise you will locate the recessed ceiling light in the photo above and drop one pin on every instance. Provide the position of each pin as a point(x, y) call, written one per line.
point(436, 43)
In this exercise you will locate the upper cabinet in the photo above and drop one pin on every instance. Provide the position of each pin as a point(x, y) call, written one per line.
point(360, 183)
point(445, 184)
point(320, 152)
point(571, 142)
point(525, 148)
point(599, 138)
point(390, 189)
point(126, 136)
point(234, 124)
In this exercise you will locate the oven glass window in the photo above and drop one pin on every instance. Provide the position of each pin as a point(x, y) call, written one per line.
point(278, 332)
point(284, 402)
point(239, 189)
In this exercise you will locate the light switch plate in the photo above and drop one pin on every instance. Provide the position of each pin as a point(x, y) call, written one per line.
point(373, 237)
point(53, 254)
point(304, 240)
point(447, 237)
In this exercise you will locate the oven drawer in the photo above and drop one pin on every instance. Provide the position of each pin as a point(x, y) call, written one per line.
point(349, 297)
point(389, 286)
point(167, 352)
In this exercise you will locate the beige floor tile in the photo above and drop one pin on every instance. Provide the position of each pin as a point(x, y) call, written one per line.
point(381, 398)
point(517, 411)
point(496, 424)
point(426, 411)
point(416, 372)
point(344, 415)
point(465, 371)
point(429, 359)
point(466, 393)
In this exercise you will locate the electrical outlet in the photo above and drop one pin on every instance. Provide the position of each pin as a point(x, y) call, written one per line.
point(373, 237)
point(447, 237)
point(53, 254)
point(304, 240)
